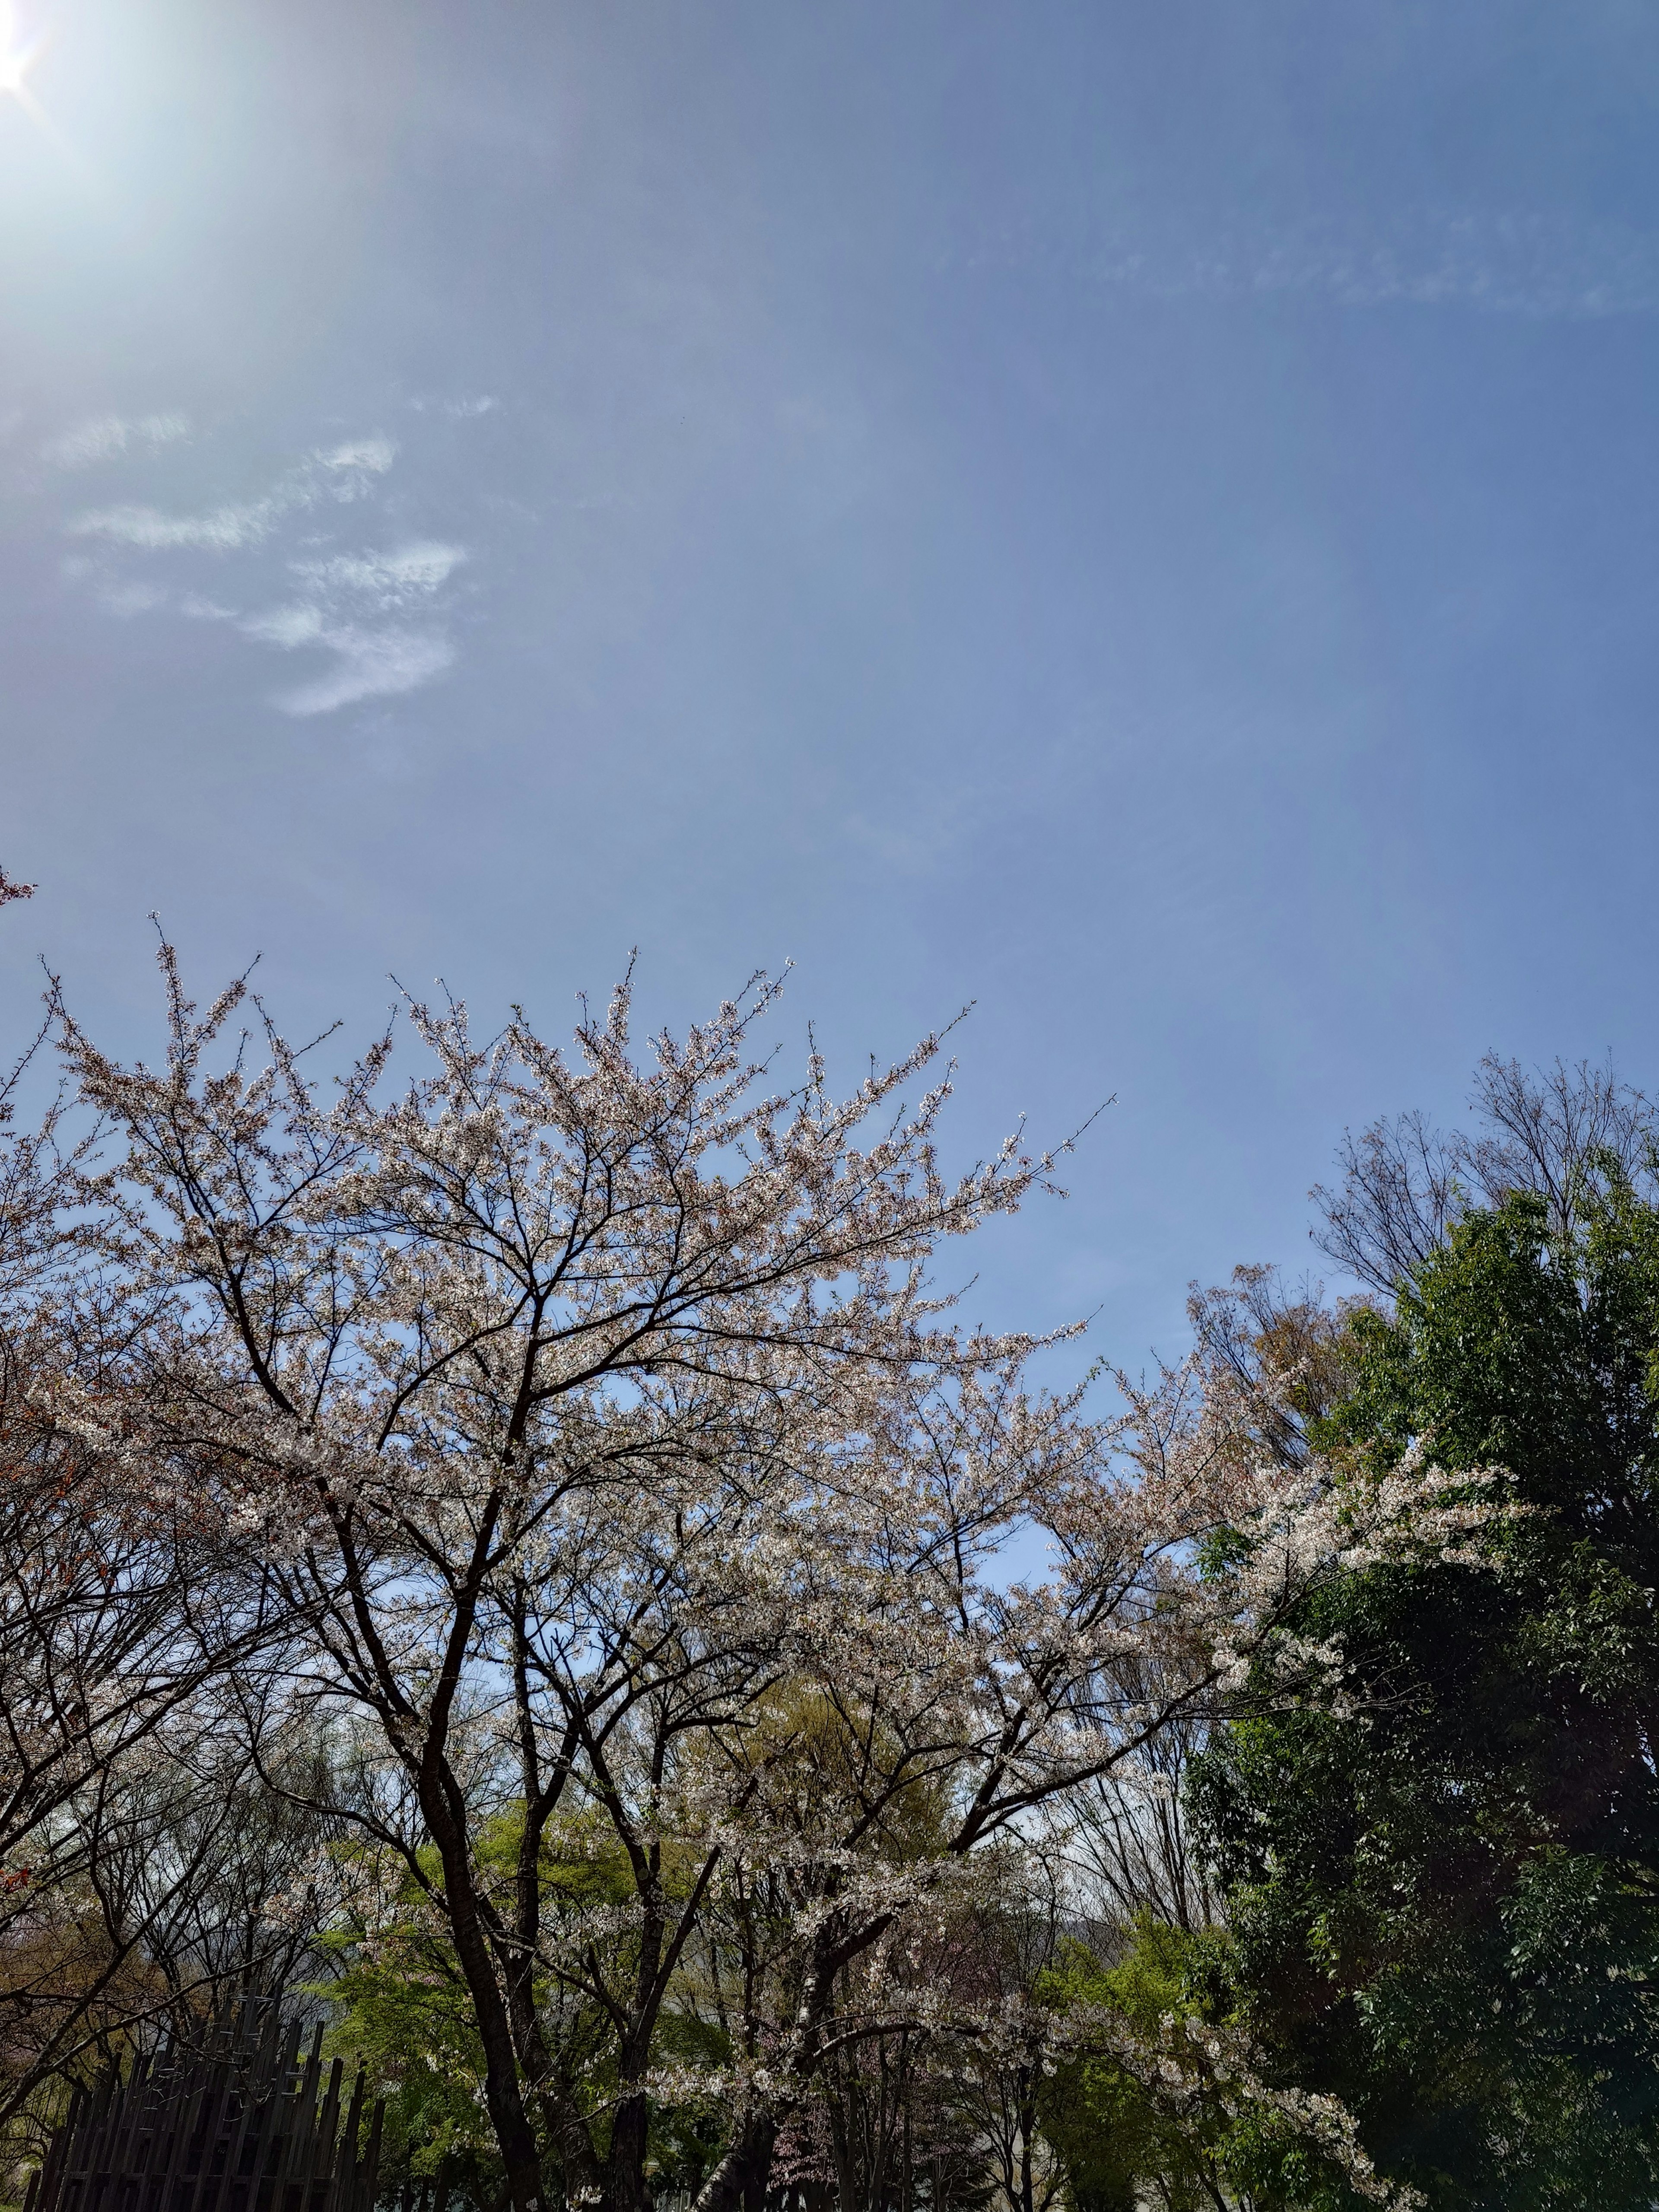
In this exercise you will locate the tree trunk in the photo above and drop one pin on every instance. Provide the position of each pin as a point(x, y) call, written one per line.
point(503, 2092)
point(738, 2183)
point(624, 2176)
point(506, 2113)
point(1027, 2128)
point(757, 2169)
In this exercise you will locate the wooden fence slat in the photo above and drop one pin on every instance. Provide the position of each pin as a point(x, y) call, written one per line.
point(235, 2126)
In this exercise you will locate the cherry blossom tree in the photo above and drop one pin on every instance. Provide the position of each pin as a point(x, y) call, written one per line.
point(618, 1461)
point(117, 1793)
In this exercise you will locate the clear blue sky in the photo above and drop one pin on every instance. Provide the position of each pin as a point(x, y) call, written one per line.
point(1140, 516)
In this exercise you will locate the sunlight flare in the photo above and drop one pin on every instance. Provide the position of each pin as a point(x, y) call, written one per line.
point(19, 52)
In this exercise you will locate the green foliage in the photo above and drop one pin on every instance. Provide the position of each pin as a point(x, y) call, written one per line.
point(1447, 1913)
point(411, 2023)
point(1114, 2134)
point(1107, 2131)
point(406, 2013)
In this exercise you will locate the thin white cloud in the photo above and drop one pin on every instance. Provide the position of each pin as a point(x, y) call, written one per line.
point(1540, 267)
point(344, 473)
point(223, 530)
point(353, 467)
point(386, 580)
point(287, 627)
point(105, 435)
point(347, 601)
point(465, 407)
point(373, 617)
point(370, 664)
point(129, 599)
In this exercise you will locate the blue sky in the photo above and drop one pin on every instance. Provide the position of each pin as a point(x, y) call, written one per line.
point(1141, 517)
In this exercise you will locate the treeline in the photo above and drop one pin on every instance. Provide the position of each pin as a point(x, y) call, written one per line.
point(521, 1559)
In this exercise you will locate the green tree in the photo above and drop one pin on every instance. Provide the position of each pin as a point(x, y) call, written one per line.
point(408, 2015)
point(1172, 2106)
point(1447, 1913)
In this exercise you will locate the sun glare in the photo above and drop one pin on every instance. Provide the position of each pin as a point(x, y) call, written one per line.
point(19, 52)
point(18, 55)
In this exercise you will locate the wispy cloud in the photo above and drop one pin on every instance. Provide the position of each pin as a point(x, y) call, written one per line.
point(369, 664)
point(465, 407)
point(388, 580)
point(134, 599)
point(375, 612)
point(375, 615)
point(1540, 267)
point(223, 530)
point(342, 473)
point(105, 435)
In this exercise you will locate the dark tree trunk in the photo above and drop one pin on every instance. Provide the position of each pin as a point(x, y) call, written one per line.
point(738, 2183)
point(624, 2177)
point(757, 2168)
point(503, 2090)
point(1027, 2128)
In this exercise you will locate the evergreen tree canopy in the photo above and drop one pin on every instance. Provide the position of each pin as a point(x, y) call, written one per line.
point(1448, 1913)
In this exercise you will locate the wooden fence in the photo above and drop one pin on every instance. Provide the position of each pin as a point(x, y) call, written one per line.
point(240, 2124)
